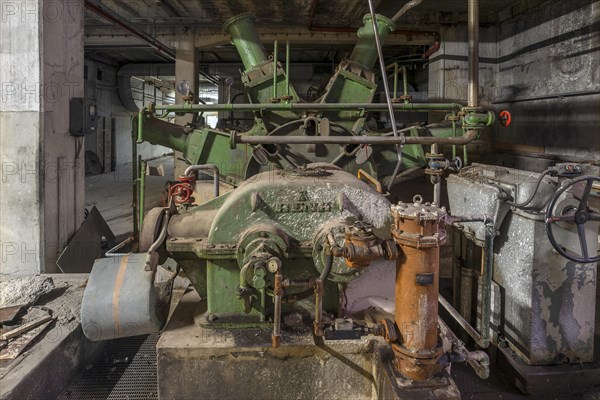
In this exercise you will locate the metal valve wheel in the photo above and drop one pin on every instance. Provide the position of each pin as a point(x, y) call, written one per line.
point(181, 192)
point(579, 216)
point(505, 118)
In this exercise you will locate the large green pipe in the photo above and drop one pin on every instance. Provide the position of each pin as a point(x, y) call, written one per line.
point(365, 51)
point(245, 38)
point(163, 133)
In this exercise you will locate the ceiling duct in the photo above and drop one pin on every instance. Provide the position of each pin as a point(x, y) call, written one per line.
point(127, 71)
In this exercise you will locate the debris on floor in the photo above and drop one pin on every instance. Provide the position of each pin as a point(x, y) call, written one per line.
point(24, 291)
point(89, 242)
point(32, 305)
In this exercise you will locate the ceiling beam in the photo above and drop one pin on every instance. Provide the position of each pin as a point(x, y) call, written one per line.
point(101, 10)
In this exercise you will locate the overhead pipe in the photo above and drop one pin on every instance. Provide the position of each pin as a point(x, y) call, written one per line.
point(405, 8)
point(101, 10)
point(312, 28)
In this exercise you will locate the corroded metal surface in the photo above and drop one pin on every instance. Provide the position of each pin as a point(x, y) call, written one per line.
point(419, 231)
point(548, 303)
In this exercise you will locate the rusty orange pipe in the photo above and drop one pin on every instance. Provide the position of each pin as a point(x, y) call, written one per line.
point(419, 231)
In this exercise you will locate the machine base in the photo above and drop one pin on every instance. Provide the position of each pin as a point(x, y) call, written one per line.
point(533, 379)
point(198, 361)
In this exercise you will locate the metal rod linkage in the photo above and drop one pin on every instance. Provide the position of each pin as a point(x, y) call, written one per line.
point(237, 138)
point(398, 107)
point(387, 96)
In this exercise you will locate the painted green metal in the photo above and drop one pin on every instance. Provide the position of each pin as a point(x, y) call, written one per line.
point(272, 214)
point(365, 53)
point(405, 83)
point(275, 70)
point(245, 38)
point(287, 68)
point(134, 179)
point(142, 199)
point(140, 124)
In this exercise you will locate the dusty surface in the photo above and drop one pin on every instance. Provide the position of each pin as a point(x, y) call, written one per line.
point(25, 290)
point(57, 351)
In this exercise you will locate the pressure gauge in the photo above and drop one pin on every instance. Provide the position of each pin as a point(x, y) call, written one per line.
point(273, 264)
point(184, 87)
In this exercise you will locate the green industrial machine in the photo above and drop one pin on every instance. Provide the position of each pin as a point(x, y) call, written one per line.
point(327, 125)
point(308, 212)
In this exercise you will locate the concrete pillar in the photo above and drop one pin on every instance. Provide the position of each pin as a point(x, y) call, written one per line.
point(42, 166)
point(186, 68)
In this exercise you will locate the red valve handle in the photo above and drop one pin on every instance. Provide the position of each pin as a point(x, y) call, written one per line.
point(505, 118)
point(181, 192)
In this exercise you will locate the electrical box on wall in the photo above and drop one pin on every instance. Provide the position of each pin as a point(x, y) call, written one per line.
point(82, 116)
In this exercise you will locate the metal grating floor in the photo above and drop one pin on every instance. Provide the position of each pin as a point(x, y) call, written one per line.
point(124, 369)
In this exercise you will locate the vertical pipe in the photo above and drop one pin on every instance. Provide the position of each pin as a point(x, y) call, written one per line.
point(395, 80)
point(134, 180)
point(140, 132)
point(143, 165)
point(318, 324)
point(419, 231)
point(453, 135)
point(473, 6)
point(405, 83)
point(275, 70)
point(437, 182)
point(287, 68)
point(278, 295)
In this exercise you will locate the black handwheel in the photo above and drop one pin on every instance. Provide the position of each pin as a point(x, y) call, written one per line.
point(579, 216)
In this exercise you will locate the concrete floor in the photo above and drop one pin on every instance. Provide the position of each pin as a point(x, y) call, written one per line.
point(112, 194)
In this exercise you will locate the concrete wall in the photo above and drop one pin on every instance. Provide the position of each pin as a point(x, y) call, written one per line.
point(549, 79)
point(541, 62)
point(449, 74)
point(41, 68)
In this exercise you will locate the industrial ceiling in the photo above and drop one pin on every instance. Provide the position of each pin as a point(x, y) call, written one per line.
point(328, 26)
